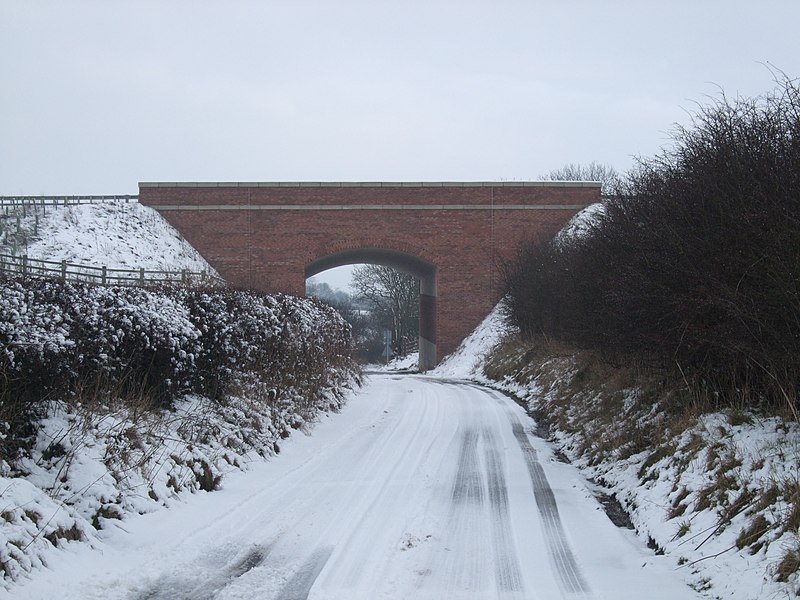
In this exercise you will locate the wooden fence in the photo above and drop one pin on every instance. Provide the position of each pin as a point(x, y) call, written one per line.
point(34, 201)
point(24, 266)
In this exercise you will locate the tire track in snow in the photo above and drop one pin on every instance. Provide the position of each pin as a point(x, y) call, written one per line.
point(464, 562)
point(507, 570)
point(468, 487)
point(570, 577)
point(480, 548)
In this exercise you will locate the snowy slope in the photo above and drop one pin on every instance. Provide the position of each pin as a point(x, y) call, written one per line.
point(467, 361)
point(115, 234)
point(581, 224)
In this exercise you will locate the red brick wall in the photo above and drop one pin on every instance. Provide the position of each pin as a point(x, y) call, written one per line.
point(268, 249)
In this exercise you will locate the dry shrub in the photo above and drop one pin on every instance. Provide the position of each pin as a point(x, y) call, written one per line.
point(694, 265)
point(788, 565)
point(751, 534)
point(581, 392)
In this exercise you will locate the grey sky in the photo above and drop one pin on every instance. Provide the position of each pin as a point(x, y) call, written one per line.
point(100, 95)
point(97, 96)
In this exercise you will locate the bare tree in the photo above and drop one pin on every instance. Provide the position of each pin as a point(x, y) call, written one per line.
point(394, 296)
point(594, 171)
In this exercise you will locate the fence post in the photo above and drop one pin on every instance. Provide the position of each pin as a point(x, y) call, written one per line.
point(104, 275)
point(141, 275)
point(24, 265)
point(183, 276)
point(64, 270)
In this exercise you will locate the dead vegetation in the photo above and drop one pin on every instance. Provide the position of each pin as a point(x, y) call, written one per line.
point(600, 413)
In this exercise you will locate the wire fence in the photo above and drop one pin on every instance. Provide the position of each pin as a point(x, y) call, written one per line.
point(24, 266)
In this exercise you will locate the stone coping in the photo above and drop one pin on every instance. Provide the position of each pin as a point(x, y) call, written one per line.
point(353, 207)
point(368, 184)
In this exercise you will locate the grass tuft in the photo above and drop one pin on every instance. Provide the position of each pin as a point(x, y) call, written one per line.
point(789, 564)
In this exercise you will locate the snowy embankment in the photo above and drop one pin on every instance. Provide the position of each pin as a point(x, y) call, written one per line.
point(716, 493)
point(467, 361)
point(115, 234)
point(117, 401)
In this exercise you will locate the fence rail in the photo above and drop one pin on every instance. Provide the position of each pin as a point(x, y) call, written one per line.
point(25, 266)
point(63, 200)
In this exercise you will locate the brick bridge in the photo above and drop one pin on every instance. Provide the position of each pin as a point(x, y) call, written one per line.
point(452, 236)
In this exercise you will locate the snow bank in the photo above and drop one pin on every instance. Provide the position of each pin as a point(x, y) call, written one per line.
point(467, 361)
point(581, 224)
point(91, 469)
point(116, 234)
point(694, 494)
point(31, 524)
point(410, 362)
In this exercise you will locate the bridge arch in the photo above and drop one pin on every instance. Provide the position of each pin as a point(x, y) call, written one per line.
point(422, 269)
point(270, 235)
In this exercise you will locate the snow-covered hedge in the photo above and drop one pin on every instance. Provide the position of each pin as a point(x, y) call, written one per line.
point(61, 339)
point(116, 400)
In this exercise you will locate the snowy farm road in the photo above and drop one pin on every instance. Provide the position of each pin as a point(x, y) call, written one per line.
point(420, 488)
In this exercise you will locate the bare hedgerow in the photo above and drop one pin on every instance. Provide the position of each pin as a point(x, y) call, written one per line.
point(694, 264)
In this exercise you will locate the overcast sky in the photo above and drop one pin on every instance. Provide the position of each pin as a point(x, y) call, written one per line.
point(97, 96)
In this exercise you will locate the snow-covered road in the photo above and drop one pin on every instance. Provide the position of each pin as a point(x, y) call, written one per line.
point(420, 488)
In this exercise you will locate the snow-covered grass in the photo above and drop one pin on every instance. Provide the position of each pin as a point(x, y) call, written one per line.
point(93, 467)
point(115, 234)
point(718, 492)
